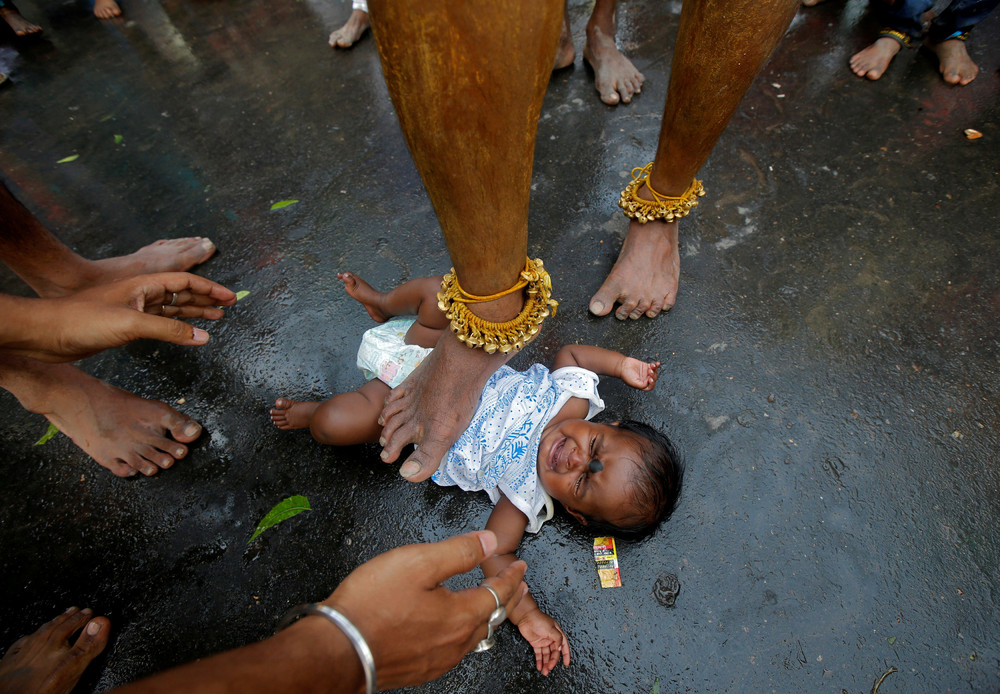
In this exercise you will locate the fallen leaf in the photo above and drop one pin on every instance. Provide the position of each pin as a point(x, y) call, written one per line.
point(656, 687)
point(118, 139)
point(292, 506)
point(242, 294)
point(973, 134)
point(891, 640)
point(181, 401)
point(49, 433)
point(66, 160)
point(283, 203)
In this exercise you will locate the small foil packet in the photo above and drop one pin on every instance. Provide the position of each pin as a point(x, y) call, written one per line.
point(606, 558)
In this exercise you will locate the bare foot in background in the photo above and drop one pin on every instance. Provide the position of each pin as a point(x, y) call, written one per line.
point(346, 36)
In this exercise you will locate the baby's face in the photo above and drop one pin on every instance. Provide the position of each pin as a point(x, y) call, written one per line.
point(565, 471)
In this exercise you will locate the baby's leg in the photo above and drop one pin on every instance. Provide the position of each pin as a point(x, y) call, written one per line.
point(416, 297)
point(350, 418)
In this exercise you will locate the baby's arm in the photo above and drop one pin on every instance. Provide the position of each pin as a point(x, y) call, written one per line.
point(539, 629)
point(605, 362)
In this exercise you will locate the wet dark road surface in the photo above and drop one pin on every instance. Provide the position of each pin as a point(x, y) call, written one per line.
point(831, 369)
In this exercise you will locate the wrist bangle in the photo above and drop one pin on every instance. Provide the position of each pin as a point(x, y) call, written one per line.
point(350, 631)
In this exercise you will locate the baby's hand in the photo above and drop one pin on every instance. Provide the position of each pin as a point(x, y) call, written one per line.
point(640, 374)
point(547, 638)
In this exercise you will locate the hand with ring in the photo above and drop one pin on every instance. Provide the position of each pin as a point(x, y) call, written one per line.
point(496, 618)
point(111, 315)
point(416, 628)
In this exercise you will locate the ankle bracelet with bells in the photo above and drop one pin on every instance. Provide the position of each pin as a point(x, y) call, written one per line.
point(662, 207)
point(510, 335)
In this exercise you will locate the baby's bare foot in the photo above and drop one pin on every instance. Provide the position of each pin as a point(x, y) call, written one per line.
point(347, 35)
point(45, 662)
point(293, 414)
point(18, 24)
point(956, 65)
point(873, 61)
point(616, 78)
point(364, 294)
point(644, 278)
point(106, 9)
point(121, 431)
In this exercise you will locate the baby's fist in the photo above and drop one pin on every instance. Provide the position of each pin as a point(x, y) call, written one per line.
point(640, 374)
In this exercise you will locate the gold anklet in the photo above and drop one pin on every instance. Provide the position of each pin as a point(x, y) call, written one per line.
point(510, 335)
point(661, 206)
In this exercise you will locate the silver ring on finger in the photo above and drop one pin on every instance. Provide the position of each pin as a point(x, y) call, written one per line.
point(497, 618)
point(173, 300)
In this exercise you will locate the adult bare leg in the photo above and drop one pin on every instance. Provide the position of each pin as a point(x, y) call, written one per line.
point(52, 269)
point(721, 46)
point(467, 79)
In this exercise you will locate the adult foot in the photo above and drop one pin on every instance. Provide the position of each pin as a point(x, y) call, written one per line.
point(872, 61)
point(347, 35)
point(121, 431)
point(616, 78)
point(956, 65)
point(106, 9)
point(566, 53)
point(364, 294)
point(435, 404)
point(45, 662)
point(18, 24)
point(645, 276)
point(165, 255)
point(291, 414)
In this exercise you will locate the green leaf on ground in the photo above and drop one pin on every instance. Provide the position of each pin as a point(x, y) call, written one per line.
point(49, 433)
point(283, 203)
point(891, 640)
point(66, 160)
point(242, 294)
point(118, 139)
point(656, 687)
point(292, 506)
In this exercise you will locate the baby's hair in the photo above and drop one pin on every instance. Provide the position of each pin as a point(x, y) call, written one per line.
point(655, 487)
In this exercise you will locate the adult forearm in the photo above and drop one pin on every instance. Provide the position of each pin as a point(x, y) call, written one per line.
point(310, 656)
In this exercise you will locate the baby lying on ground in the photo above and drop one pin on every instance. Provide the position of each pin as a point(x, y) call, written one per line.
point(529, 441)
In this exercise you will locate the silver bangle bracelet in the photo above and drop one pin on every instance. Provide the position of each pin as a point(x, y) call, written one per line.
point(350, 631)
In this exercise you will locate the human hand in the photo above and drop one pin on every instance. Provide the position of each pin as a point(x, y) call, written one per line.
point(416, 628)
point(640, 374)
point(111, 315)
point(547, 638)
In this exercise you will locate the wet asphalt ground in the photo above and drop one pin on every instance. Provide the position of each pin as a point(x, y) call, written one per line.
point(831, 369)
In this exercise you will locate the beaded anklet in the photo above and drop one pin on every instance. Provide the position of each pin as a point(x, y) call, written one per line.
point(662, 207)
point(510, 335)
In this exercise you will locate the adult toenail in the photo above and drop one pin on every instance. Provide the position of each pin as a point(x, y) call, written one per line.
point(87, 610)
point(180, 452)
point(381, 440)
point(149, 470)
point(192, 428)
point(132, 472)
point(409, 469)
point(384, 456)
point(381, 423)
point(597, 307)
point(94, 628)
point(167, 463)
point(70, 609)
point(207, 244)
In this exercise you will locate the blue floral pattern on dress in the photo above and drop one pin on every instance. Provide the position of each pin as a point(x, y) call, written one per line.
point(498, 452)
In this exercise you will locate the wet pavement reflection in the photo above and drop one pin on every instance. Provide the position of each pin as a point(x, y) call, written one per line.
point(831, 370)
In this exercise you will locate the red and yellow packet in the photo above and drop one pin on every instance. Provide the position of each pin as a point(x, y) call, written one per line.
point(606, 557)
